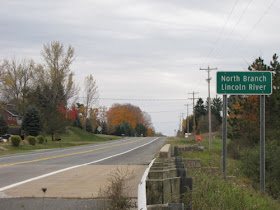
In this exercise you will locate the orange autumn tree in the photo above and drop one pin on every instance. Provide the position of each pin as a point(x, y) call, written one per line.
point(131, 114)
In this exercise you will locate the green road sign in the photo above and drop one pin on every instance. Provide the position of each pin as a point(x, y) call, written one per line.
point(244, 83)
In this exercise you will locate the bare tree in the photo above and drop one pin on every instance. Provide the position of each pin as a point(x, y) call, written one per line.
point(91, 91)
point(17, 82)
point(102, 113)
point(57, 71)
point(147, 120)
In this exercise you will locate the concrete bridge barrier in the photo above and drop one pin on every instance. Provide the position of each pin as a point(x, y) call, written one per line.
point(165, 151)
point(167, 182)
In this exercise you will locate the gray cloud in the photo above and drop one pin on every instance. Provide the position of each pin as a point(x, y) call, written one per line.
point(144, 49)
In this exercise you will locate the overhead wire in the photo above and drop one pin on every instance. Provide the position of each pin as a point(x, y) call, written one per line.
point(236, 47)
point(166, 111)
point(222, 30)
point(235, 26)
point(216, 42)
point(144, 99)
point(260, 19)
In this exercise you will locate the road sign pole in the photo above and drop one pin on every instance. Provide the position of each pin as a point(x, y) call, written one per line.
point(225, 136)
point(262, 143)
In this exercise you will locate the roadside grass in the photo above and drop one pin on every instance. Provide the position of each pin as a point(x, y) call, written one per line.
point(108, 137)
point(211, 191)
point(77, 135)
point(72, 137)
point(208, 158)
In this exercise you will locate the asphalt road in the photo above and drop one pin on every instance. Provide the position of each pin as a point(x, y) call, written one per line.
point(22, 168)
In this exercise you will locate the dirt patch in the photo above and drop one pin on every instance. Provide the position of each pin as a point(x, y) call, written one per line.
point(3, 149)
point(82, 182)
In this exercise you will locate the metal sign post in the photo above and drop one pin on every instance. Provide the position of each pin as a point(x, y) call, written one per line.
point(262, 143)
point(225, 136)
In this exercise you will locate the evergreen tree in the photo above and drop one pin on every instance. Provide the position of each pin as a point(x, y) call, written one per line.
point(127, 129)
point(77, 123)
point(54, 121)
point(141, 129)
point(88, 126)
point(32, 123)
point(217, 106)
point(273, 101)
point(118, 130)
point(190, 124)
point(3, 126)
point(104, 127)
point(200, 110)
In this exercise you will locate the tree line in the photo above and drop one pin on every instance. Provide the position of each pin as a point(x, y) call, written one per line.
point(129, 120)
point(244, 129)
point(49, 90)
point(201, 116)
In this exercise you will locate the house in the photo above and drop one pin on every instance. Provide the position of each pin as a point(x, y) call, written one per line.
point(11, 116)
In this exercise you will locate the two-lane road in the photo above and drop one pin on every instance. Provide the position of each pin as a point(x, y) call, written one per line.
point(19, 169)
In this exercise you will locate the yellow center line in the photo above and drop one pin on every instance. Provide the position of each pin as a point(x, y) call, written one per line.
point(65, 155)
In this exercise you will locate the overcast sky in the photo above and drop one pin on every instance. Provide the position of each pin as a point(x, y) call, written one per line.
point(145, 49)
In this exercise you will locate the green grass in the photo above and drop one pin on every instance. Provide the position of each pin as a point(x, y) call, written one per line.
point(211, 191)
point(72, 137)
point(208, 158)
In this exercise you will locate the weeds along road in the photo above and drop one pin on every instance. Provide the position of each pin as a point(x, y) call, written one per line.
point(19, 169)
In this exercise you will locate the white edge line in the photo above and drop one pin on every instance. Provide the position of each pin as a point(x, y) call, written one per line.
point(69, 168)
point(59, 150)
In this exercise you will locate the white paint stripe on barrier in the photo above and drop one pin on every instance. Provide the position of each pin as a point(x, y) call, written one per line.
point(142, 198)
point(72, 167)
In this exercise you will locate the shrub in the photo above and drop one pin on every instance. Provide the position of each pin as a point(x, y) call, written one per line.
point(40, 139)
point(31, 140)
point(251, 166)
point(16, 140)
point(117, 191)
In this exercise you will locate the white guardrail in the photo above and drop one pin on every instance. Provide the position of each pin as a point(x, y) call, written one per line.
point(142, 198)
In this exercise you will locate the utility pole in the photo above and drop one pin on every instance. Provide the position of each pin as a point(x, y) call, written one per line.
point(209, 105)
point(179, 129)
point(182, 123)
point(188, 121)
point(193, 98)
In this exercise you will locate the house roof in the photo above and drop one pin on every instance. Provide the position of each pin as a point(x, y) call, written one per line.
point(9, 108)
point(13, 113)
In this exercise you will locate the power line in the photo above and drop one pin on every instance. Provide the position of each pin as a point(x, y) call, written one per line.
point(166, 122)
point(236, 24)
point(240, 17)
point(165, 111)
point(217, 40)
point(269, 7)
point(142, 99)
point(237, 46)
